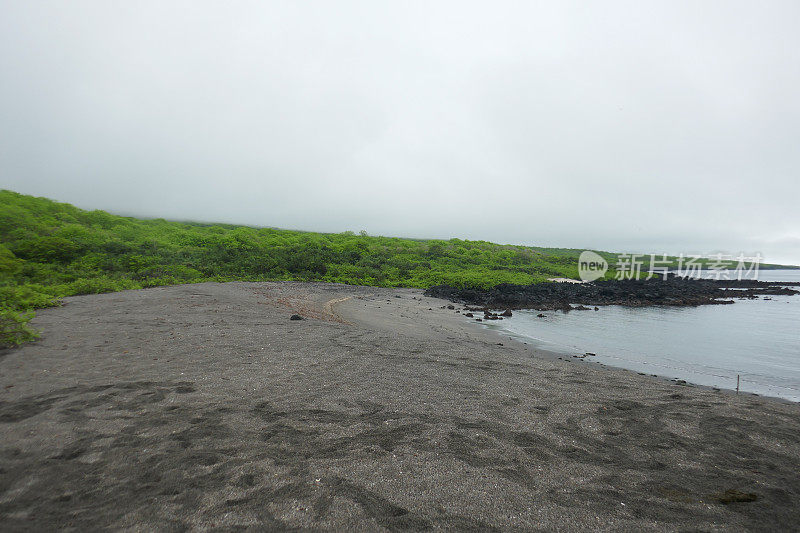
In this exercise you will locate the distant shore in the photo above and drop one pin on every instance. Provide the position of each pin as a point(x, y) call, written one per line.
point(204, 406)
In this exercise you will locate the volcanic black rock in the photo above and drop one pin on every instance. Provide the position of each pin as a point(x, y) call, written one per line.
point(673, 291)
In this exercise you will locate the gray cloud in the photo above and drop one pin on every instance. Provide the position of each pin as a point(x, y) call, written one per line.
point(622, 126)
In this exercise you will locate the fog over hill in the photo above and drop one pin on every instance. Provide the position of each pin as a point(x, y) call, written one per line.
point(666, 127)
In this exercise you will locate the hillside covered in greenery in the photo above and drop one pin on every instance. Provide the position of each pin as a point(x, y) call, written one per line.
point(49, 250)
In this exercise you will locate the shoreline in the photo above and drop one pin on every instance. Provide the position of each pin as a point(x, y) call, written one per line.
point(672, 291)
point(202, 406)
point(571, 357)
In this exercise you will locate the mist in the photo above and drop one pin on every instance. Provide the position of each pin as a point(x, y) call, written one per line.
point(666, 127)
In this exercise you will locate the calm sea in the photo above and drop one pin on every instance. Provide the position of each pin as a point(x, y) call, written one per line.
point(709, 345)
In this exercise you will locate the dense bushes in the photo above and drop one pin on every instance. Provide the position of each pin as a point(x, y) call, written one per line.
point(49, 250)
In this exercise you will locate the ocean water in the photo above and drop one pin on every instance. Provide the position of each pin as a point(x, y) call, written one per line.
point(759, 340)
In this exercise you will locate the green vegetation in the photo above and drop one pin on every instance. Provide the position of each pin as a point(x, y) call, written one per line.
point(49, 250)
point(14, 328)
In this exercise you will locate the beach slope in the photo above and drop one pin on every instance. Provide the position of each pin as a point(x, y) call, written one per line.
point(204, 406)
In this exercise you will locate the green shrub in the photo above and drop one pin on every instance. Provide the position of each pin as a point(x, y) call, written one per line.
point(28, 296)
point(96, 286)
point(9, 264)
point(14, 328)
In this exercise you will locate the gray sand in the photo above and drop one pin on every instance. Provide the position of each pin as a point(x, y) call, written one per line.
point(204, 406)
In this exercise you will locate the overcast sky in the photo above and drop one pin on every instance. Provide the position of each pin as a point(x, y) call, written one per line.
point(653, 126)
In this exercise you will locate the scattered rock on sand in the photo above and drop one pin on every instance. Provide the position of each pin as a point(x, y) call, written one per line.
point(296, 317)
point(507, 312)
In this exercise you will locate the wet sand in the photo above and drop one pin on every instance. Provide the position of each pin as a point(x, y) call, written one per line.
point(205, 407)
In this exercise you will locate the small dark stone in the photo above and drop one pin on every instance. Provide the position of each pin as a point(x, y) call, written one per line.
point(468, 315)
point(507, 312)
point(451, 306)
point(296, 317)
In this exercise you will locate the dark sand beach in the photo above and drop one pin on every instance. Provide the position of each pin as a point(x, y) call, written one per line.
point(205, 407)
